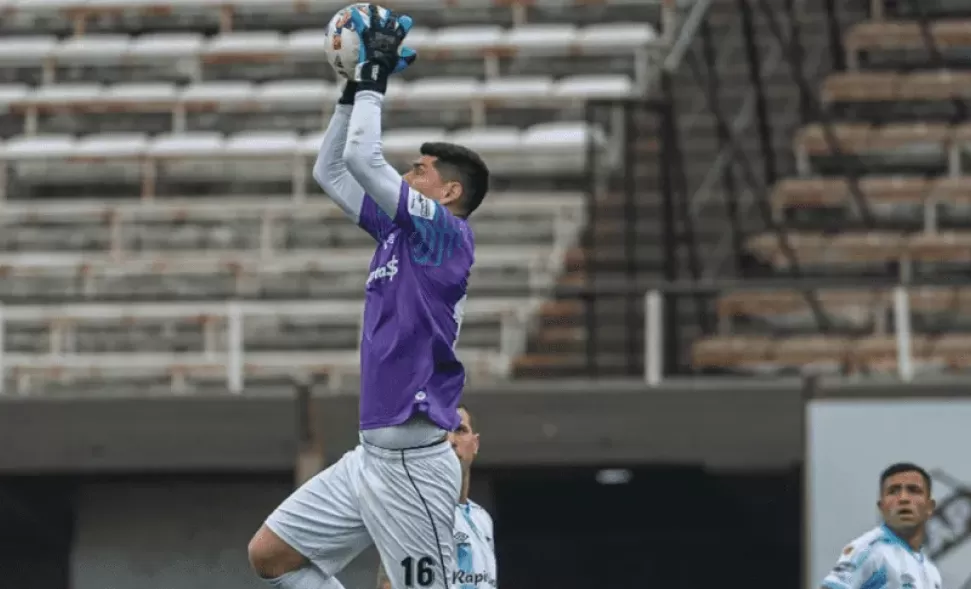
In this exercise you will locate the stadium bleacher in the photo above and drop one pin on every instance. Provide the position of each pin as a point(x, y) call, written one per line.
point(882, 193)
point(162, 231)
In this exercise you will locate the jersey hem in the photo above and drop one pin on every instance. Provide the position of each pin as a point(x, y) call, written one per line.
point(369, 425)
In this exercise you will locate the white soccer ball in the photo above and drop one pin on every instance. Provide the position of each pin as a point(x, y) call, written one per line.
point(343, 44)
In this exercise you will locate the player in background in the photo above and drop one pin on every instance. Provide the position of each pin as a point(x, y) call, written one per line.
point(475, 548)
point(891, 556)
point(399, 487)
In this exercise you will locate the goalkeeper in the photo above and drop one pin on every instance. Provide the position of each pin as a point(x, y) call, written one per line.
point(399, 487)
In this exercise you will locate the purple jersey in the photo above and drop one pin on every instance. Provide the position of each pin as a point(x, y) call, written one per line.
point(414, 299)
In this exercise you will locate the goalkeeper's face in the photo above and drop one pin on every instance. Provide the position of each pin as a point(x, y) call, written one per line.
point(425, 177)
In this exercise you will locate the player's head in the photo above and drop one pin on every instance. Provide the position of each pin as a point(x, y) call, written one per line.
point(465, 439)
point(905, 497)
point(453, 175)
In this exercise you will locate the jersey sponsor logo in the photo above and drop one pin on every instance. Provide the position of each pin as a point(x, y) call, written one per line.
point(387, 271)
point(461, 537)
point(420, 206)
point(475, 579)
point(907, 582)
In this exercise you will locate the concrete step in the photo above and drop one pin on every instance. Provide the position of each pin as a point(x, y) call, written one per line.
point(559, 346)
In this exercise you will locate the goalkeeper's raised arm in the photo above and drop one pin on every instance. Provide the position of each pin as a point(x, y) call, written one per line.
point(380, 40)
point(332, 174)
point(330, 171)
point(372, 203)
point(446, 183)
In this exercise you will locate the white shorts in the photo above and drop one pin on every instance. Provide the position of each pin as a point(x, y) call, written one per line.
point(401, 500)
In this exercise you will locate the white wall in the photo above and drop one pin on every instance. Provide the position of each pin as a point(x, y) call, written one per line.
point(850, 442)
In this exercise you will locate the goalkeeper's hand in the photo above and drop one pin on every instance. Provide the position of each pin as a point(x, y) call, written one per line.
point(408, 57)
point(381, 53)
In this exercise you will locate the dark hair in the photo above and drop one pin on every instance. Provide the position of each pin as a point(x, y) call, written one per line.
point(462, 165)
point(465, 408)
point(902, 467)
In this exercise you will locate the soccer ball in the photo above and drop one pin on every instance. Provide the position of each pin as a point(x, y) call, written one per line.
point(343, 44)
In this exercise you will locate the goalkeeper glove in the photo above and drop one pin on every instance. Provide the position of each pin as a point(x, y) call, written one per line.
point(408, 57)
point(379, 48)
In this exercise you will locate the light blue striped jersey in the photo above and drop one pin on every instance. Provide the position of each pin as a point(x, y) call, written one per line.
point(475, 548)
point(880, 559)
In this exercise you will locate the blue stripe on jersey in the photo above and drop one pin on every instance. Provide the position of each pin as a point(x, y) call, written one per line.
point(892, 538)
point(878, 580)
point(464, 551)
point(438, 241)
point(861, 557)
point(463, 557)
point(467, 512)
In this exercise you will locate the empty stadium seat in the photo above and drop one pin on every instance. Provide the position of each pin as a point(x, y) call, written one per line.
point(156, 155)
point(431, 94)
point(461, 42)
point(544, 148)
point(843, 251)
point(847, 355)
point(905, 35)
point(850, 309)
point(918, 86)
point(83, 15)
point(880, 189)
point(285, 338)
point(262, 223)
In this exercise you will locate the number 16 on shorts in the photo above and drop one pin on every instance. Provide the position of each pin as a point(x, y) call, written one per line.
point(418, 572)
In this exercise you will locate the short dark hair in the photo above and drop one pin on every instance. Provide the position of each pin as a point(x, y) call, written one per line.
point(902, 467)
point(462, 165)
point(465, 408)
